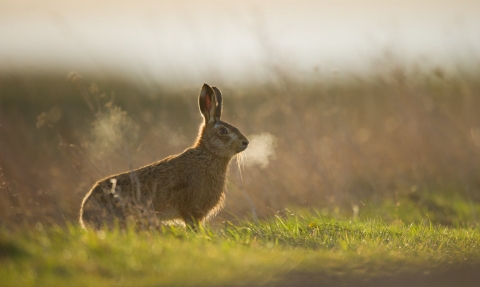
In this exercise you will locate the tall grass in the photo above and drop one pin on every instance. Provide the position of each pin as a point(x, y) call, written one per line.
point(289, 250)
point(339, 143)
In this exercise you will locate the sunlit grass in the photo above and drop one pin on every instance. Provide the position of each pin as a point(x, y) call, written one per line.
point(233, 254)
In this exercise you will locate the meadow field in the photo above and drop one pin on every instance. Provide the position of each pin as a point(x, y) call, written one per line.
point(287, 250)
point(356, 179)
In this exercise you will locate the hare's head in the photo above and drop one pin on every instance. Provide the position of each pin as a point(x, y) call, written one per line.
point(217, 136)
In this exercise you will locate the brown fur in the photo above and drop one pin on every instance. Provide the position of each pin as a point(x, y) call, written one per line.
point(189, 186)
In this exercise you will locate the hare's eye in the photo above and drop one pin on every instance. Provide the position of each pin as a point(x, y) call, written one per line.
point(222, 131)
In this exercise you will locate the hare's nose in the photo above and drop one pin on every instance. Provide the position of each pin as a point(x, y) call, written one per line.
point(245, 143)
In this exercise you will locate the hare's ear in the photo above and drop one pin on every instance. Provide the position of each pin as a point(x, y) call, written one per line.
point(218, 110)
point(208, 103)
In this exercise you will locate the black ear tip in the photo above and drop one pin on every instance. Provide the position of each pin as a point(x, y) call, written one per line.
point(207, 89)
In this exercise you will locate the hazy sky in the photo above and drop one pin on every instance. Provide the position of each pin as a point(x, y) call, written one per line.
point(171, 40)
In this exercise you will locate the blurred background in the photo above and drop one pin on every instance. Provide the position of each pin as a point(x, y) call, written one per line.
point(348, 105)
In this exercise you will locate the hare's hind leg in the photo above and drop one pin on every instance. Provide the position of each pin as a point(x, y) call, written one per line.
point(99, 210)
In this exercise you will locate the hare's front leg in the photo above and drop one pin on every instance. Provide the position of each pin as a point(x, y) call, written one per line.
point(191, 222)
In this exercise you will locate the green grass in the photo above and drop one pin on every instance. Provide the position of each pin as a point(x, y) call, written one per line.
point(233, 254)
point(441, 207)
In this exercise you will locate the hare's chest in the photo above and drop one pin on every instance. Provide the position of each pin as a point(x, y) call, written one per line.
point(213, 183)
point(206, 193)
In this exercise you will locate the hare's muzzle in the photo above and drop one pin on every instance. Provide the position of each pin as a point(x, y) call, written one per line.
point(245, 143)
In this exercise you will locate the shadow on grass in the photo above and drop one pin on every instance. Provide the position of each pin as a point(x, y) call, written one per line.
point(9, 249)
point(465, 276)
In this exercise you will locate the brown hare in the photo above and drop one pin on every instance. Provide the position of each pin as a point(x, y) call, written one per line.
point(189, 187)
